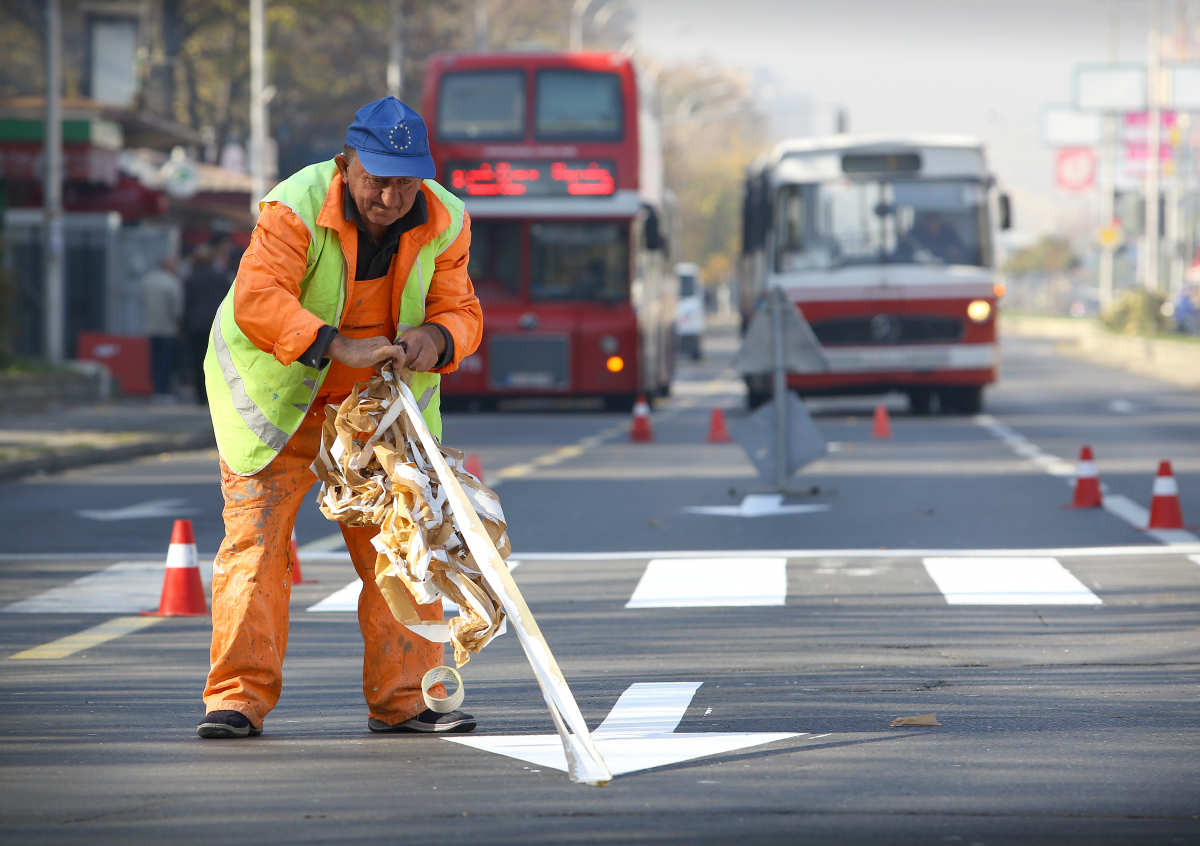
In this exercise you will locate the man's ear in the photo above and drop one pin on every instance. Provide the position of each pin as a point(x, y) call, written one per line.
point(343, 165)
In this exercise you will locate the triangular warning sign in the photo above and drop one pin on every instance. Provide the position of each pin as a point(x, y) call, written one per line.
point(802, 351)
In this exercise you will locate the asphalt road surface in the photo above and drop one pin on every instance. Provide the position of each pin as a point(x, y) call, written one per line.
point(747, 666)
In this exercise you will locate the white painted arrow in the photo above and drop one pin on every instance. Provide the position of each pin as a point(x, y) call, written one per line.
point(756, 505)
point(153, 508)
point(638, 734)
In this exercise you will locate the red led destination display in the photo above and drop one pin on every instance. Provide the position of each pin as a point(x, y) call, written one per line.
point(532, 179)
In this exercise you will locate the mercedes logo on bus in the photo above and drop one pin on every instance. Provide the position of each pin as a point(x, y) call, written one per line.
point(528, 321)
point(884, 329)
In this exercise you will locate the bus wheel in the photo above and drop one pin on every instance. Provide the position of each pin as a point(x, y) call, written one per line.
point(755, 399)
point(620, 402)
point(966, 399)
point(919, 400)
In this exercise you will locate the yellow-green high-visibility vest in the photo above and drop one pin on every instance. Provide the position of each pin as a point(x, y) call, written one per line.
point(256, 403)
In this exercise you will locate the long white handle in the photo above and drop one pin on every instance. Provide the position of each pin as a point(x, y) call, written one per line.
point(585, 764)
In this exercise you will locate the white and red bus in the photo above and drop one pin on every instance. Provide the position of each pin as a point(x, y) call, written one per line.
point(558, 157)
point(885, 246)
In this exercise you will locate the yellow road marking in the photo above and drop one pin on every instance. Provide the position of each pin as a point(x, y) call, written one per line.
point(516, 471)
point(80, 641)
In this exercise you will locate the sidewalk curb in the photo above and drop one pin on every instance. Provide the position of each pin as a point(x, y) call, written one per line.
point(1177, 362)
point(105, 455)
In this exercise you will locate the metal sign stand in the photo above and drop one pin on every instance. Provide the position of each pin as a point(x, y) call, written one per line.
point(780, 437)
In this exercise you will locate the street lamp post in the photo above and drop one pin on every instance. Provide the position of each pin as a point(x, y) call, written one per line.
point(395, 66)
point(52, 294)
point(578, 12)
point(258, 106)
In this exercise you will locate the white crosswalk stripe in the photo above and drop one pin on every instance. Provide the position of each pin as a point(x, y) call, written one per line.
point(1007, 581)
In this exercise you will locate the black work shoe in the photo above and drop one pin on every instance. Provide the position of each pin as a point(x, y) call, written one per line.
point(224, 725)
point(456, 722)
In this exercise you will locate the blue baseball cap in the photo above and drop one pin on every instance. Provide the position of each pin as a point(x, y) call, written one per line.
point(391, 140)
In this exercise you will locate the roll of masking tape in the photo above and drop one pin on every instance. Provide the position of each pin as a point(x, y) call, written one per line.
point(443, 675)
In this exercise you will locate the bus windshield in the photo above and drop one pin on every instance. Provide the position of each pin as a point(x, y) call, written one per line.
point(578, 106)
point(579, 260)
point(482, 105)
point(860, 222)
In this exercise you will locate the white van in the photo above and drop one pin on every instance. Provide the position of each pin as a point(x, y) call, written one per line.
point(689, 313)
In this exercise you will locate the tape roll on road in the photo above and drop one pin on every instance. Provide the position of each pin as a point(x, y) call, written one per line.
point(443, 675)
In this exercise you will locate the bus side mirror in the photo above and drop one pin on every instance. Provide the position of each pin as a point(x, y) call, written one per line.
point(651, 233)
point(1005, 212)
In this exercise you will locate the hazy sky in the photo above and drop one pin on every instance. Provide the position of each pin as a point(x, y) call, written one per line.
point(984, 67)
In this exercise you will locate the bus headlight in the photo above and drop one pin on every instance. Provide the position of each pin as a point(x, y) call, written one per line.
point(979, 310)
point(615, 364)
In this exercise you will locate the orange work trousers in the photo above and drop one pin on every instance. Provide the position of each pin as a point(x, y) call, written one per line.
point(252, 585)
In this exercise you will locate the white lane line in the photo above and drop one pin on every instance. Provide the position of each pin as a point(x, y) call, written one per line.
point(1007, 581)
point(756, 505)
point(638, 734)
point(329, 543)
point(711, 582)
point(648, 708)
point(346, 599)
point(1115, 504)
point(141, 511)
point(86, 639)
point(1195, 558)
point(123, 588)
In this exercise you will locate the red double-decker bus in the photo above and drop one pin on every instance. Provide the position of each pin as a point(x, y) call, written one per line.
point(559, 159)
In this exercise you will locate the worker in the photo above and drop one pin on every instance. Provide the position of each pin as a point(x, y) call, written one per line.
point(354, 262)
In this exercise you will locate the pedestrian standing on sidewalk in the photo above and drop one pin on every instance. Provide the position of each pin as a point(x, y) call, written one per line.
point(206, 286)
point(355, 261)
point(162, 308)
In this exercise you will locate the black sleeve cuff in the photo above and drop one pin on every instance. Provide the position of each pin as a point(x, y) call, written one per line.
point(448, 355)
point(314, 356)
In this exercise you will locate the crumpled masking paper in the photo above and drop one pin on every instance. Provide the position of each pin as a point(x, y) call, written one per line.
point(375, 472)
point(918, 720)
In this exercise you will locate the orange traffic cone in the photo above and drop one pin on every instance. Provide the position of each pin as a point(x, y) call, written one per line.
point(1165, 512)
point(641, 421)
point(1087, 483)
point(297, 574)
point(182, 592)
point(717, 433)
point(475, 467)
point(883, 424)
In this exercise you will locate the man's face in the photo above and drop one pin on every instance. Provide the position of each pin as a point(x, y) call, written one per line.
point(381, 200)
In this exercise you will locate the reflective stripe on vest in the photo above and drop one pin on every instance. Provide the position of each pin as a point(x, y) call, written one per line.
point(251, 414)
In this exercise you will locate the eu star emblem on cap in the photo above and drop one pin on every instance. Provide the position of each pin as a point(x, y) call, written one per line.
point(391, 140)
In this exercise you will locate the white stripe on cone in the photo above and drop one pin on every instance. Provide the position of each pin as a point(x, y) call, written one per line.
point(1087, 470)
point(1165, 486)
point(182, 555)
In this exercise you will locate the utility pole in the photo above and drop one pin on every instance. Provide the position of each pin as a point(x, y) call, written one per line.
point(1108, 171)
point(258, 106)
point(395, 67)
point(578, 11)
point(1180, 163)
point(53, 302)
point(1153, 192)
point(481, 25)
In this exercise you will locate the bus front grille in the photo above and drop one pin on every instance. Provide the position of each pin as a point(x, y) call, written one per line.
point(529, 362)
point(889, 329)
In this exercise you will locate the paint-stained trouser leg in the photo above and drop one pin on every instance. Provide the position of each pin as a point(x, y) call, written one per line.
point(394, 659)
point(252, 578)
point(252, 586)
